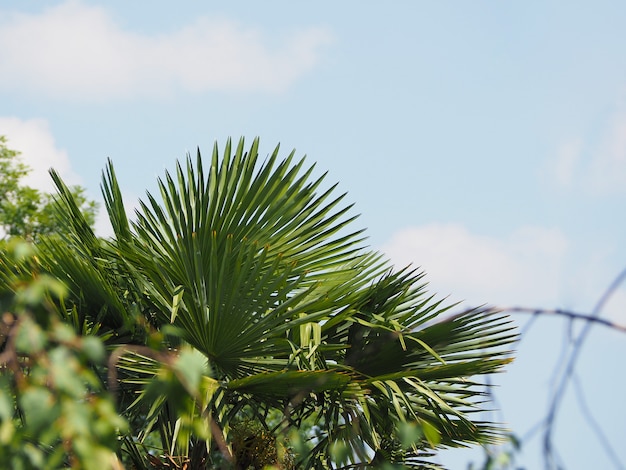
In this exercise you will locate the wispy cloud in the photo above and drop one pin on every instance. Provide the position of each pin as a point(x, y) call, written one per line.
point(594, 163)
point(567, 160)
point(522, 268)
point(80, 51)
point(39, 151)
point(607, 168)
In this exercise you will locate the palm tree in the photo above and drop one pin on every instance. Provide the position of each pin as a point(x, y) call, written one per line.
point(248, 325)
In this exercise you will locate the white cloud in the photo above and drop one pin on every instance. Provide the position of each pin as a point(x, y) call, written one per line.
point(521, 269)
point(75, 50)
point(38, 150)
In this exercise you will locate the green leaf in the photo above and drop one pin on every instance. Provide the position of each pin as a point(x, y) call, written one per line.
point(63, 333)
point(431, 433)
point(410, 433)
point(36, 457)
point(30, 338)
point(93, 348)
point(38, 406)
point(339, 452)
point(191, 365)
point(7, 406)
point(178, 296)
point(65, 372)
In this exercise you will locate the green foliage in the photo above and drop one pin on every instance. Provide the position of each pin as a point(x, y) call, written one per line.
point(54, 411)
point(245, 325)
point(27, 212)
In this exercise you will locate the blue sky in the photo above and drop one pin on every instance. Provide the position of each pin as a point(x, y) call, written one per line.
point(484, 141)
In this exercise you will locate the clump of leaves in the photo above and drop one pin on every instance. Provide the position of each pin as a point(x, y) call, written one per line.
point(53, 410)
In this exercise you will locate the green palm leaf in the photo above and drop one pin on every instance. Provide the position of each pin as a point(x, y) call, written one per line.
point(249, 251)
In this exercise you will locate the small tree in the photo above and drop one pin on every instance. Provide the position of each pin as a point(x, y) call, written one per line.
point(28, 212)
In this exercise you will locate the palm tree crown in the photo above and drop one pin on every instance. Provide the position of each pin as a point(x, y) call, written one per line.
point(246, 321)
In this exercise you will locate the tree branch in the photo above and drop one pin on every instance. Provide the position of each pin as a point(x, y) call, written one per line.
point(591, 318)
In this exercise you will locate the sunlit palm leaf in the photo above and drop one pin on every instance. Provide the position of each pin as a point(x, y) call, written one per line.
point(246, 247)
point(291, 383)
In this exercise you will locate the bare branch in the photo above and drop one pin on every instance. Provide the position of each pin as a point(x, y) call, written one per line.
point(565, 372)
point(566, 313)
point(603, 439)
point(557, 398)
